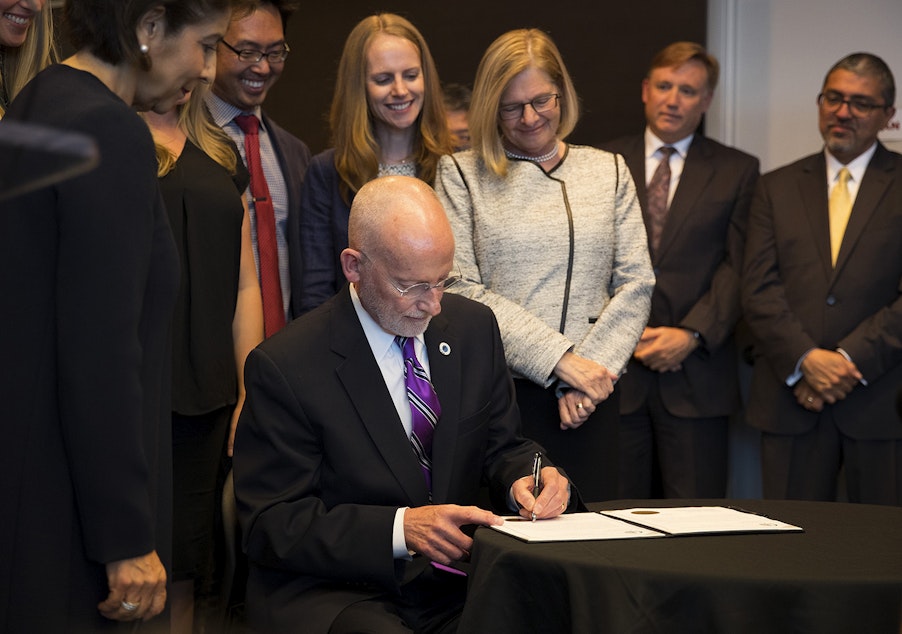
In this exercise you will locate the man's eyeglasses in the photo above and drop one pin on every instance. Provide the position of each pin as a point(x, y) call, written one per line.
point(858, 106)
point(542, 103)
point(416, 291)
point(250, 56)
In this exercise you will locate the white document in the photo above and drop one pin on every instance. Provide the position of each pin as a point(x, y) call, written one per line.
point(697, 520)
point(573, 527)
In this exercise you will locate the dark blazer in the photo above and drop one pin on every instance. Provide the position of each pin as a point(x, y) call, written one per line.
point(324, 231)
point(294, 157)
point(88, 278)
point(322, 461)
point(794, 300)
point(697, 269)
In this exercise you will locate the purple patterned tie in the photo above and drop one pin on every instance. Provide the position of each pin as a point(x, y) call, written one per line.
point(424, 407)
point(658, 191)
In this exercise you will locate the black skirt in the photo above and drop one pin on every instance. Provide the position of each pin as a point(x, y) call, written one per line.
point(588, 453)
point(198, 445)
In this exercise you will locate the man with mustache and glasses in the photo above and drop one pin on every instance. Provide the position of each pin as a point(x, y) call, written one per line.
point(821, 293)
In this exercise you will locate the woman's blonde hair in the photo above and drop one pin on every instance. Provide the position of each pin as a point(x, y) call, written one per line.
point(505, 58)
point(196, 123)
point(36, 53)
point(356, 148)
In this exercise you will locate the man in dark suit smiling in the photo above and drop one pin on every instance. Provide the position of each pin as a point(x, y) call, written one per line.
point(821, 292)
point(249, 61)
point(344, 518)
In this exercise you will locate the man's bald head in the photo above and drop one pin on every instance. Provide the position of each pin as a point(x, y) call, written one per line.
point(395, 213)
point(398, 236)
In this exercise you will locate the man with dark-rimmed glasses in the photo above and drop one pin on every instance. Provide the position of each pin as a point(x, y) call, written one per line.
point(250, 59)
point(821, 282)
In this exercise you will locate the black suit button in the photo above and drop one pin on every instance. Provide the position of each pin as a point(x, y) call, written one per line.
point(831, 300)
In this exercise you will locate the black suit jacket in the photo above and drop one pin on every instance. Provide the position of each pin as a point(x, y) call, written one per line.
point(294, 157)
point(88, 277)
point(795, 300)
point(322, 461)
point(697, 268)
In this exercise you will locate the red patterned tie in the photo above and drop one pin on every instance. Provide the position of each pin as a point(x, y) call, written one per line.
point(424, 407)
point(271, 288)
point(658, 191)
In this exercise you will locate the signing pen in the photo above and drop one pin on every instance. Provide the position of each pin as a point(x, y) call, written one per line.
point(536, 478)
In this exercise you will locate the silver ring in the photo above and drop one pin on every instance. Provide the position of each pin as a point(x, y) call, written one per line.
point(810, 400)
point(128, 606)
point(579, 406)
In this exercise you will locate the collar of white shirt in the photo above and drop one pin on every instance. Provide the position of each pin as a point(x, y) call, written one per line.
point(857, 167)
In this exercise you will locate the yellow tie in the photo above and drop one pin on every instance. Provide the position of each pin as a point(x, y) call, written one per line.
point(840, 210)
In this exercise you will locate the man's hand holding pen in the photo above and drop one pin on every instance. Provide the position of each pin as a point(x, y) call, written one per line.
point(553, 498)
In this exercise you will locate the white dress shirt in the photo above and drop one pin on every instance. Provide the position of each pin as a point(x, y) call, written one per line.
point(391, 363)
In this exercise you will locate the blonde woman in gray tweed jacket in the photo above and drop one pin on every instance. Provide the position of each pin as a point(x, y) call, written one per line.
point(550, 236)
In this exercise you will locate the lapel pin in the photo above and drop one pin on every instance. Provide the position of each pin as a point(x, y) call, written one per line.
point(444, 348)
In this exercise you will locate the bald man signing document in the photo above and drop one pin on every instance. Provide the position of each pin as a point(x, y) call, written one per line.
point(369, 426)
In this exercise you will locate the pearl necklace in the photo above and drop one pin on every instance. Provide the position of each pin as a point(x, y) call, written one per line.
point(535, 159)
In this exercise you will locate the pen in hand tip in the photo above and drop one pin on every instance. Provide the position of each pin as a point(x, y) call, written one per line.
point(535, 512)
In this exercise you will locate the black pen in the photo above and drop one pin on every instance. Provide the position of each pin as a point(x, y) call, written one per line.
point(536, 478)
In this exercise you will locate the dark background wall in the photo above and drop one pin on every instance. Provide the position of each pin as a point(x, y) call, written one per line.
point(606, 46)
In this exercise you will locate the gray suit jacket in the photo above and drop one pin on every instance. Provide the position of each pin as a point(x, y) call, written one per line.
point(697, 268)
point(794, 300)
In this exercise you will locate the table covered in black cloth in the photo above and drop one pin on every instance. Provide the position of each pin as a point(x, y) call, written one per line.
point(843, 574)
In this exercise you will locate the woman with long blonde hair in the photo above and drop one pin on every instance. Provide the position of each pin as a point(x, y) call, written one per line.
point(386, 118)
point(26, 45)
point(218, 320)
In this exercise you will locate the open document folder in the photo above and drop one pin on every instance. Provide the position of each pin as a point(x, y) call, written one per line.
point(642, 522)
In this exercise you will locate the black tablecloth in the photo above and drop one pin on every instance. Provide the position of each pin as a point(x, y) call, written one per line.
point(843, 574)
